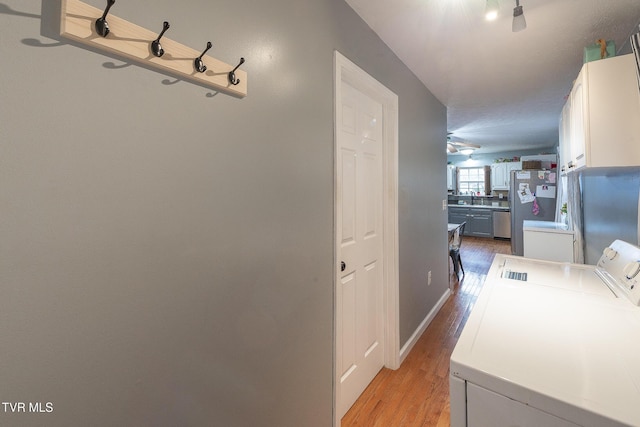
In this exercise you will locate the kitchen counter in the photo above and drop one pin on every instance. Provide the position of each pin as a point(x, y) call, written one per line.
point(500, 208)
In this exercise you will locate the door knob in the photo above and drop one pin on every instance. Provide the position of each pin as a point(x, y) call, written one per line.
point(343, 266)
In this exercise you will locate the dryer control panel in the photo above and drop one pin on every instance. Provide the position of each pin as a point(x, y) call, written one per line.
point(620, 261)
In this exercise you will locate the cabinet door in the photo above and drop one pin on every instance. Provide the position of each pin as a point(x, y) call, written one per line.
point(565, 137)
point(604, 130)
point(499, 176)
point(505, 174)
point(512, 166)
point(480, 223)
point(577, 139)
point(484, 226)
point(457, 218)
point(612, 112)
point(549, 246)
point(451, 177)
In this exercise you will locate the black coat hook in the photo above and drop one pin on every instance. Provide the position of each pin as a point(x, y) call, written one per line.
point(156, 48)
point(198, 63)
point(232, 73)
point(102, 27)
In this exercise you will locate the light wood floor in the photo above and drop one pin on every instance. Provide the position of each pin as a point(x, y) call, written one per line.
point(417, 394)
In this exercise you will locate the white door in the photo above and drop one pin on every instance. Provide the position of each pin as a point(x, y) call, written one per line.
point(359, 299)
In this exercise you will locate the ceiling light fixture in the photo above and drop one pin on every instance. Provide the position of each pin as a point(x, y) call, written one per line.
point(519, 23)
point(491, 11)
point(467, 151)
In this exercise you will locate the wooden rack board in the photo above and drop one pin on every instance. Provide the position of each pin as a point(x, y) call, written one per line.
point(133, 42)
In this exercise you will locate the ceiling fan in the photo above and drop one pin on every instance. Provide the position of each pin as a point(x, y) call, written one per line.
point(456, 146)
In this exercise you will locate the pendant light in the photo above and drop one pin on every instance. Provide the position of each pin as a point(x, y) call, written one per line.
point(519, 23)
point(491, 11)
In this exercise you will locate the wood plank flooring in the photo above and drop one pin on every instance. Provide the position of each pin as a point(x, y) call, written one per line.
point(417, 394)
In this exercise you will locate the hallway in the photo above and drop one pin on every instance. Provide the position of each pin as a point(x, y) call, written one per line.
point(417, 394)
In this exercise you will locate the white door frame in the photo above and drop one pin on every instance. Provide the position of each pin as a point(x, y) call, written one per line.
point(347, 71)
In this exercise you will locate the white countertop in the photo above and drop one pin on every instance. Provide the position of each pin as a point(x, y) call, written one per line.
point(548, 226)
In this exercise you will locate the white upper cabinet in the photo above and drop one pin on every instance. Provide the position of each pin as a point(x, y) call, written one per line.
point(600, 123)
point(513, 166)
point(547, 161)
point(451, 177)
point(565, 137)
point(577, 130)
point(500, 174)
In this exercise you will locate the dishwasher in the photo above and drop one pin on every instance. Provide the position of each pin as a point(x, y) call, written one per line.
point(502, 224)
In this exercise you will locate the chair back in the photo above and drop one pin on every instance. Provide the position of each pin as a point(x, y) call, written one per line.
point(457, 237)
point(452, 236)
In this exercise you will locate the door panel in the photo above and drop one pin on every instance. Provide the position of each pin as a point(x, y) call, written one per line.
point(359, 184)
point(348, 195)
point(348, 292)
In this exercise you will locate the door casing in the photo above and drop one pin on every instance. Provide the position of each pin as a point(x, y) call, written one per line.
point(347, 71)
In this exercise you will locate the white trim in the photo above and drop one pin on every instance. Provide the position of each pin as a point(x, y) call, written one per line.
point(406, 349)
point(347, 71)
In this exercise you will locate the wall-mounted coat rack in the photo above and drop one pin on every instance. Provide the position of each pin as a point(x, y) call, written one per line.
point(77, 22)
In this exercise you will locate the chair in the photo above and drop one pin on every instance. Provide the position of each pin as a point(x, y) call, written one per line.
point(454, 248)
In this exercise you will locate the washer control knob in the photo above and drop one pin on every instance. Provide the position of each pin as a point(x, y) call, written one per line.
point(632, 269)
point(610, 253)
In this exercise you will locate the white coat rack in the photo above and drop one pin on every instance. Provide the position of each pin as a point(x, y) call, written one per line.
point(86, 24)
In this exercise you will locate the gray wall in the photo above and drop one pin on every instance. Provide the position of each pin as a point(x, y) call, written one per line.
point(166, 252)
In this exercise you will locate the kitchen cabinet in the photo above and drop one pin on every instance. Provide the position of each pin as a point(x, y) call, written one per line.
point(600, 126)
point(576, 123)
point(499, 176)
point(480, 223)
point(548, 240)
point(565, 138)
point(479, 220)
point(501, 173)
point(451, 177)
point(547, 161)
point(458, 215)
point(514, 166)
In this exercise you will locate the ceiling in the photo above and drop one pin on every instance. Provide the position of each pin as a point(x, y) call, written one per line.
point(503, 90)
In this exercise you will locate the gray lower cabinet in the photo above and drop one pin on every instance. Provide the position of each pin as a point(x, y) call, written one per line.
point(479, 221)
point(458, 215)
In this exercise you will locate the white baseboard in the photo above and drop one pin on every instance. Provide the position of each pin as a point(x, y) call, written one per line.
point(404, 351)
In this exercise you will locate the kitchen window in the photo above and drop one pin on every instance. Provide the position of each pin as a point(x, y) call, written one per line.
point(472, 180)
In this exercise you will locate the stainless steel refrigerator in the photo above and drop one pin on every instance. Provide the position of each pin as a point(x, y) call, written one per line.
point(532, 196)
